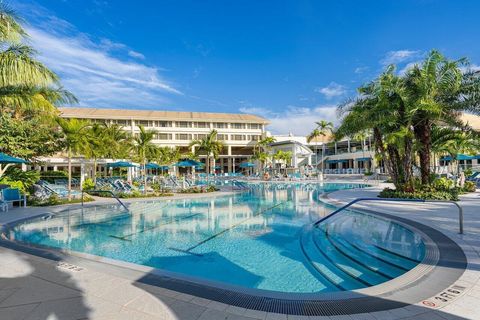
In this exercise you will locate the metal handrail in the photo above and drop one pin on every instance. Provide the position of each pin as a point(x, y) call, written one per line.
point(460, 209)
point(110, 192)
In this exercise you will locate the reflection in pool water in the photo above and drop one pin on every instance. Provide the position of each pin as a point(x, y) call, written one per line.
point(257, 239)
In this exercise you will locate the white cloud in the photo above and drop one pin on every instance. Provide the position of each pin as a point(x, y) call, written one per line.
point(332, 90)
point(135, 54)
point(297, 120)
point(408, 66)
point(399, 56)
point(361, 69)
point(98, 71)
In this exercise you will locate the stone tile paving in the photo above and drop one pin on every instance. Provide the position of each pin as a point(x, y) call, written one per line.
point(36, 288)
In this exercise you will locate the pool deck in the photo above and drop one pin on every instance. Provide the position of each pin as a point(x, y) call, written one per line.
point(32, 287)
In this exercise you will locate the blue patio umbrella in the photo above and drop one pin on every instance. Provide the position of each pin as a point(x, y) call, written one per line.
point(152, 165)
point(5, 158)
point(188, 163)
point(8, 161)
point(121, 164)
point(247, 165)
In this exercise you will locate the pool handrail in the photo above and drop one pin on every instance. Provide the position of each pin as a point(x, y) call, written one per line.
point(460, 209)
point(107, 191)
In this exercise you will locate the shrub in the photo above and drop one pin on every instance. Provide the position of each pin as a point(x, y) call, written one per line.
point(426, 194)
point(470, 186)
point(443, 184)
point(88, 184)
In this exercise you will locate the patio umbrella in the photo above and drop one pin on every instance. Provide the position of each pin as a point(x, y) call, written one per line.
point(247, 165)
point(152, 166)
point(188, 163)
point(8, 161)
point(121, 164)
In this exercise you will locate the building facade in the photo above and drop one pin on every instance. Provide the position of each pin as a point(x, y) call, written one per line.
point(239, 132)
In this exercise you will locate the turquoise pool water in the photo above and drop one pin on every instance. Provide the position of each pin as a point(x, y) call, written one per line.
point(261, 238)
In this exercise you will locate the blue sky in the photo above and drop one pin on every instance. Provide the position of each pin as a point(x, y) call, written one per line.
point(290, 61)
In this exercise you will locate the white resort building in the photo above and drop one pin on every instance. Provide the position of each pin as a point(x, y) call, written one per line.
point(240, 132)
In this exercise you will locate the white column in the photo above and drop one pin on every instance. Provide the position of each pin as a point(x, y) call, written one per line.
point(82, 174)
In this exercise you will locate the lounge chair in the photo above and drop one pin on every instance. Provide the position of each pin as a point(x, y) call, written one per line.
point(3, 206)
point(12, 195)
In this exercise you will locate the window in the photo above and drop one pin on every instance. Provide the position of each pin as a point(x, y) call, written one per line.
point(122, 122)
point(238, 137)
point(144, 123)
point(202, 125)
point(163, 124)
point(254, 126)
point(183, 136)
point(255, 138)
point(200, 136)
point(222, 137)
point(164, 136)
point(237, 126)
point(220, 125)
point(183, 124)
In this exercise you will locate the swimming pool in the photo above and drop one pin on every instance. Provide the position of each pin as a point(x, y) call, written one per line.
point(262, 238)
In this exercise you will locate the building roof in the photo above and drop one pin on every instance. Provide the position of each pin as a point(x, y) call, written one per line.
point(472, 120)
point(127, 114)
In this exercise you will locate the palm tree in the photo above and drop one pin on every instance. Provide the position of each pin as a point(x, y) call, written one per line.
point(362, 136)
point(284, 156)
point(98, 144)
point(439, 91)
point(75, 139)
point(261, 150)
point(145, 150)
point(383, 108)
point(118, 141)
point(210, 145)
point(323, 128)
point(26, 85)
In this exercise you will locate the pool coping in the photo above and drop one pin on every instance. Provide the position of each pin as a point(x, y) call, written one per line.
point(389, 295)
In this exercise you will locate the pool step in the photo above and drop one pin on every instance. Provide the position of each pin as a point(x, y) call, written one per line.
point(323, 266)
point(349, 266)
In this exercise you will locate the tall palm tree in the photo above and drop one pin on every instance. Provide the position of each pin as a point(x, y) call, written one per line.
point(323, 128)
point(118, 141)
point(439, 91)
point(261, 150)
point(26, 85)
point(145, 150)
point(362, 136)
point(75, 140)
point(209, 145)
point(98, 144)
point(384, 108)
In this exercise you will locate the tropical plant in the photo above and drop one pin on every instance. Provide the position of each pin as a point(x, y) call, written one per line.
point(323, 129)
point(385, 104)
point(439, 90)
point(209, 145)
point(283, 156)
point(27, 87)
point(29, 92)
point(145, 150)
point(262, 150)
point(75, 139)
point(97, 146)
point(118, 140)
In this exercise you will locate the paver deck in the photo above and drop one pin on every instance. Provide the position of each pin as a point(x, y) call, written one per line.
point(32, 287)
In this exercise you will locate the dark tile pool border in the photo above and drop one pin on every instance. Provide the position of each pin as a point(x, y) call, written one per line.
point(449, 266)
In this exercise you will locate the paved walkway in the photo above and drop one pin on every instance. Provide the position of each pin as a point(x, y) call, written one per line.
point(36, 288)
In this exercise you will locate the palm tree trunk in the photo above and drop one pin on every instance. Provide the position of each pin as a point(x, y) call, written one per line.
point(69, 155)
point(423, 132)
